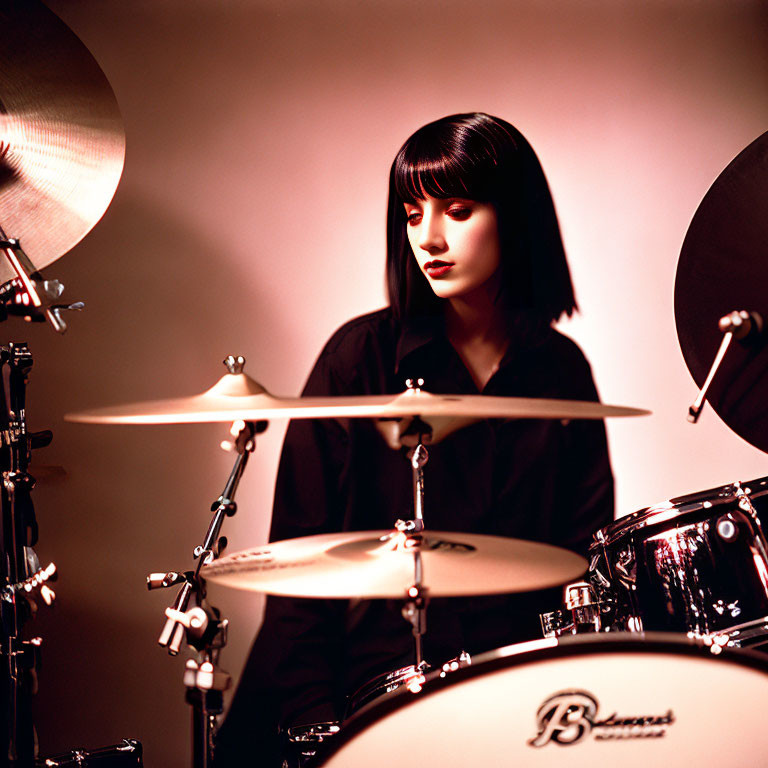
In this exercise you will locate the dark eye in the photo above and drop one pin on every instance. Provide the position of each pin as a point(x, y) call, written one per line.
point(460, 212)
point(413, 218)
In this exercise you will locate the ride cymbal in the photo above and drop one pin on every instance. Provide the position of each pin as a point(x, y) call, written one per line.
point(236, 396)
point(380, 564)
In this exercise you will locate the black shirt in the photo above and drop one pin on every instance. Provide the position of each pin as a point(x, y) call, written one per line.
point(544, 480)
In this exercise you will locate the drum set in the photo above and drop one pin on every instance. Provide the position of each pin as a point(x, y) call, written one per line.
point(410, 562)
point(644, 661)
point(651, 658)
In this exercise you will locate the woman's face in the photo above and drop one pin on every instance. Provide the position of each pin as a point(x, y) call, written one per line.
point(456, 244)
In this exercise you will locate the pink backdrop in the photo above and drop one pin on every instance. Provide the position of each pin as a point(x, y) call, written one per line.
point(250, 220)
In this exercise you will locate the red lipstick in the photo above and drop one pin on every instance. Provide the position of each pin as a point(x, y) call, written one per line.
point(437, 268)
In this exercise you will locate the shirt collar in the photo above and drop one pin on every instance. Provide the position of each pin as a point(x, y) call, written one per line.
point(415, 333)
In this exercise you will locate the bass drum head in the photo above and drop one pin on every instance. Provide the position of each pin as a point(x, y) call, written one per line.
point(575, 702)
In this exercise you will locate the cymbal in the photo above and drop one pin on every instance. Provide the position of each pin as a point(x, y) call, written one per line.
point(236, 396)
point(722, 268)
point(62, 143)
point(380, 564)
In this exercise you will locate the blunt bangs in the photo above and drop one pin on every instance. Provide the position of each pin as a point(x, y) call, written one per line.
point(447, 160)
point(441, 177)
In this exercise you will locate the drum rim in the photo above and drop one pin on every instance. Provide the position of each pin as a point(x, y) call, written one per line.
point(369, 690)
point(679, 505)
point(504, 657)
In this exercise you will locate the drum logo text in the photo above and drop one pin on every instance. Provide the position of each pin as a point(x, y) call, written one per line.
point(569, 717)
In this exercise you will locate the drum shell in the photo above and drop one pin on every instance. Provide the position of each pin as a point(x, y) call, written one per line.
point(697, 564)
point(660, 700)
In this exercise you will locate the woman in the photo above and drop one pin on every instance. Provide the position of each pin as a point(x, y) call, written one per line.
point(476, 275)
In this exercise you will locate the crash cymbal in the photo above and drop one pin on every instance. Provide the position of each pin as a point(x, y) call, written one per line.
point(62, 142)
point(237, 396)
point(723, 268)
point(380, 564)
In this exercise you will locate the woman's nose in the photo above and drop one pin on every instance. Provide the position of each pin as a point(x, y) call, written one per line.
point(431, 235)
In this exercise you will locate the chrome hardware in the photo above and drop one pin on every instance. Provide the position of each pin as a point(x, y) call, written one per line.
point(234, 365)
point(414, 385)
point(726, 529)
point(315, 732)
point(578, 595)
point(625, 567)
point(735, 325)
point(581, 614)
point(28, 294)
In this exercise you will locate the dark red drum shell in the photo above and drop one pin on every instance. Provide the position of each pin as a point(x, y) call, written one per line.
point(664, 511)
point(696, 564)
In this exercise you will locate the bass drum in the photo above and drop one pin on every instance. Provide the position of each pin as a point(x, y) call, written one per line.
point(697, 564)
point(578, 701)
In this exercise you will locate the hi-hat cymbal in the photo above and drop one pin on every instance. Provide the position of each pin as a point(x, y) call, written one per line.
point(62, 142)
point(236, 396)
point(380, 564)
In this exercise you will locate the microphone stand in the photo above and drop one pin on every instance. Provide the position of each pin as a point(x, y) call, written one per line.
point(202, 626)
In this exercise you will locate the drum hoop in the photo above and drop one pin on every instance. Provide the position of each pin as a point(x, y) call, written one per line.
point(506, 657)
point(680, 505)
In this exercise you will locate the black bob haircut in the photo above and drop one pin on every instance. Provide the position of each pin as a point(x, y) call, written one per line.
point(481, 158)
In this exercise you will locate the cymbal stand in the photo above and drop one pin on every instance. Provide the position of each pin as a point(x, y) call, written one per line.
point(415, 608)
point(22, 575)
point(202, 625)
point(418, 457)
point(29, 294)
point(740, 325)
point(416, 596)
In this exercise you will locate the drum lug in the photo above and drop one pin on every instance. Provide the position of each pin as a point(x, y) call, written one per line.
point(581, 614)
point(553, 624)
point(302, 742)
point(601, 580)
point(457, 662)
point(745, 502)
point(626, 568)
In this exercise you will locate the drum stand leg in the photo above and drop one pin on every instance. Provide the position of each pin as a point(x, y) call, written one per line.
point(205, 687)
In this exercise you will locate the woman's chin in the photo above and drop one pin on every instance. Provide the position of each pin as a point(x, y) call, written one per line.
point(444, 289)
